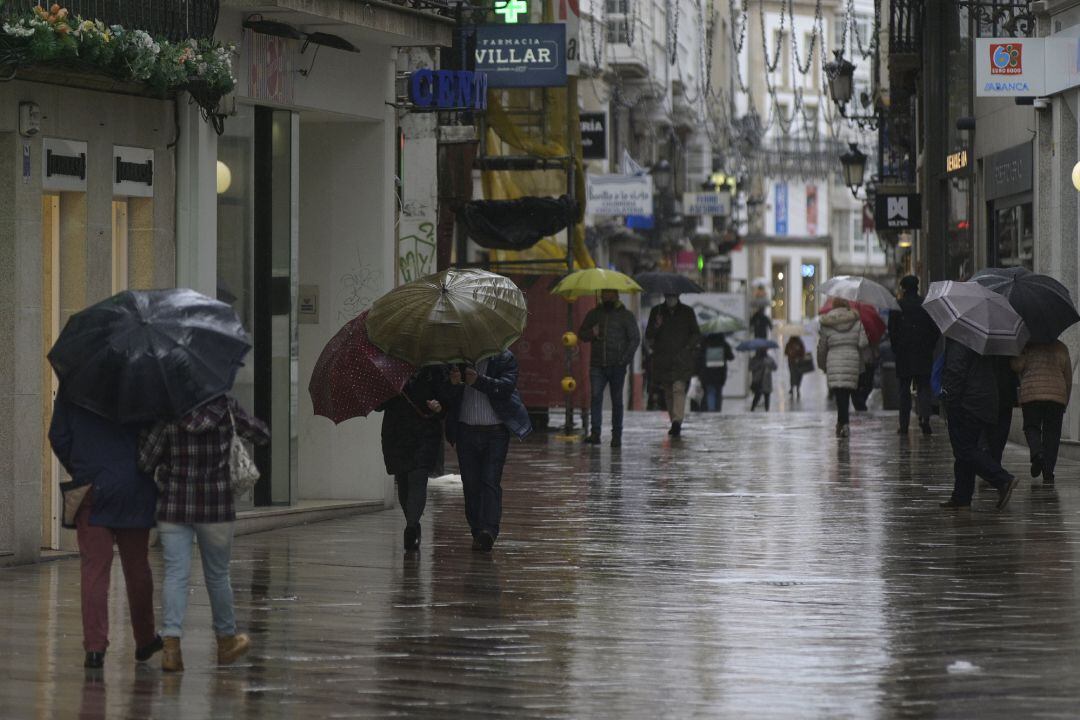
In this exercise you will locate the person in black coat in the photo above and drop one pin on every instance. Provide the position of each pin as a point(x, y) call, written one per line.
point(111, 501)
point(913, 336)
point(972, 388)
point(411, 440)
point(761, 324)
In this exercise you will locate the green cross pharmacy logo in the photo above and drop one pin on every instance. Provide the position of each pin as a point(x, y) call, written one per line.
point(510, 9)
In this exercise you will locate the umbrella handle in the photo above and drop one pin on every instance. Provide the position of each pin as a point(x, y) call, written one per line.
point(421, 413)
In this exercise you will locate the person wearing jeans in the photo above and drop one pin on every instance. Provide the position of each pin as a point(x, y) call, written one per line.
point(483, 409)
point(189, 458)
point(117, 506)
point(613, 332)
point(1045, 371)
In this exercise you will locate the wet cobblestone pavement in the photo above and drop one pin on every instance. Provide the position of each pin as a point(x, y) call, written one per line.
point(756, 567)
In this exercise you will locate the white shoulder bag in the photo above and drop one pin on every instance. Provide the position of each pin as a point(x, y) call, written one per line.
point(242, 470)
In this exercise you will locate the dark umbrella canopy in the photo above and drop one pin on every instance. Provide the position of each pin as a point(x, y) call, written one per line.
point(663, 283)
point(352, 377)
point(149, 355)
point(1044, 303)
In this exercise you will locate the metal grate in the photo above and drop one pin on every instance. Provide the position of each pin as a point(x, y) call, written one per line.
point(998, 18)
point(171, 19)
point(905, 26)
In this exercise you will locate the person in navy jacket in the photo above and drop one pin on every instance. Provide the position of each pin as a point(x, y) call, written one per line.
point(118, 505)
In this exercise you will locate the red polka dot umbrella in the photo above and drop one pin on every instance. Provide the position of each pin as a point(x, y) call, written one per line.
point(353, 377)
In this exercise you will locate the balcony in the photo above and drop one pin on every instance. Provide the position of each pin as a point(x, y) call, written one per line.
point(625, 56)
point(905, 27)
point(171, 19)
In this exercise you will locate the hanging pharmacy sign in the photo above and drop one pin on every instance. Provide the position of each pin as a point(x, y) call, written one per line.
point(522, 55)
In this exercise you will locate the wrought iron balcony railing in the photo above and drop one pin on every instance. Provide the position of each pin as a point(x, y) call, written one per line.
point(171, 19)
point(905, 26)
point(997, 18)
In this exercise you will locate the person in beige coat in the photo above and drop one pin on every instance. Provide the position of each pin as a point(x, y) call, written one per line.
point(1045, 372)
point(840, 350)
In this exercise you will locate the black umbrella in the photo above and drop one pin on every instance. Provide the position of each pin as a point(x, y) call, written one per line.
point(667, 283)
point(1044, 303)
point(149, 355)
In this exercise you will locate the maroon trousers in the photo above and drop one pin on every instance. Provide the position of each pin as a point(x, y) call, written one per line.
point(96, 553)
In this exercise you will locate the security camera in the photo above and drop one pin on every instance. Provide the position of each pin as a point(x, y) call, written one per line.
point(1041, 103)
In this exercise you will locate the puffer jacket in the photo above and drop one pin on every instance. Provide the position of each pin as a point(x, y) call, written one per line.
point(840, 348)
point(613, 333)
point(1045, 372)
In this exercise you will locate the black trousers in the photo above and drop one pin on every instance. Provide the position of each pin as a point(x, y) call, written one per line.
point(972, 456)
point(843, 408)
point(922, 385)
point(1042, 428)
point(866, 386)
point(758, 395)
point(412, 494)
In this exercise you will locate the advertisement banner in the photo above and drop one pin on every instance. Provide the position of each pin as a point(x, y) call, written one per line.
point(780, 206)
point(522, 55)
point(619, 194)
point(705, 204)
point(811, 209)
point(707, 306)
point(1010, 67)
point(569, 13)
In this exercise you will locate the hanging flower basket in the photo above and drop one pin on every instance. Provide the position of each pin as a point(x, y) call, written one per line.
point(55, 37)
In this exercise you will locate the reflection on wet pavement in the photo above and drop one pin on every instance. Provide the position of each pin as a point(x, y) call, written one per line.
point(757, 567)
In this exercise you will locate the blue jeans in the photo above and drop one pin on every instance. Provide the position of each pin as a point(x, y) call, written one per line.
point(599, 377)
point(215, 547)
point(481, 455)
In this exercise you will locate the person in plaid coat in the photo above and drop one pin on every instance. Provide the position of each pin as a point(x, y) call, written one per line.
point(189, 458)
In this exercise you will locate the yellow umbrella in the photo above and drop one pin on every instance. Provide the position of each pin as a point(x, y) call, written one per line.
point(453, 316)
point(588, 282)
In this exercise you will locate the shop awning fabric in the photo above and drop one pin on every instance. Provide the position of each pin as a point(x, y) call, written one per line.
point(517, 224)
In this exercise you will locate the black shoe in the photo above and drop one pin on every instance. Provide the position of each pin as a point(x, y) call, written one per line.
point(1006, 493)
point(951, 504)
point(476, 543)
point(593, 439)
point(486, 541)
point(616, 441)
point(926, 429)
point(94, 660)
point(412, 538)
point(1037, 465)
point(676, 429)
point(1048, 479)
point(148, 650)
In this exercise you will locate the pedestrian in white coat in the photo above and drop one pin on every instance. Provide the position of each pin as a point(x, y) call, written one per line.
point(840, 349)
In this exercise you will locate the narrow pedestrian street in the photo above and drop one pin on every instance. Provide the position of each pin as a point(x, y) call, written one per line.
point(756, 567)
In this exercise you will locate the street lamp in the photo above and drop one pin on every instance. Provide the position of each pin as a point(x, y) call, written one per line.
point(661, 175)
point(841, 74)
point(854, 165)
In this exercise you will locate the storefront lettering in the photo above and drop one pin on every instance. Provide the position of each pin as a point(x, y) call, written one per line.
point(510, 56)
point(448, 90)
point(1006, 87)
point(1007, 172)
point(956, 161)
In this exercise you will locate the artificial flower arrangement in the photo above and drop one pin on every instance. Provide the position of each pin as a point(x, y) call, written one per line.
point(53, 35)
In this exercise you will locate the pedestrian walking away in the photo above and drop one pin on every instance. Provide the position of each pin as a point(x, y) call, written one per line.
point(189, 458)
point(671, 339)
point(761, 324)
point(971, 391)
point(712, 369)
point(483, 408)
point(613, 333)
point(110, 501)
point(841, 344)
point(1045, 371)
point(762, 367)
point(913, 336)
point(412, 435)
point(795, 352)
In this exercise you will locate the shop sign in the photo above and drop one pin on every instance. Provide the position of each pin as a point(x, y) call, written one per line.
point(593, 136)
point(901, 211)
point(569, 12)
point(1010, 67)
point(133, 171)
point(618, 195)
point(448, 90)
point(957, 161)
point(1008, 172)
point(63, 165)
point(522, 55)
point(706, 204)
point(780, 206)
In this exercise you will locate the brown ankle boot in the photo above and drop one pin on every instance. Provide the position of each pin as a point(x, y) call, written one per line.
point(171, 659)
point(231, 647)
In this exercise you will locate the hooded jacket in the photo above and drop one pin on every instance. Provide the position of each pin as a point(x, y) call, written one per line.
point(840, 346)
point(913, 336)
point(618, 335)
point(193, 453)
point(1045, 372)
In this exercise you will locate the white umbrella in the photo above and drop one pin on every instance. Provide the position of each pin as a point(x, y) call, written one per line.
point(977, 317)
point(859, 289)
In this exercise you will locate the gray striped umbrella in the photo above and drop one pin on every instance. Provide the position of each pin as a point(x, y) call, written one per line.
point(977, 317)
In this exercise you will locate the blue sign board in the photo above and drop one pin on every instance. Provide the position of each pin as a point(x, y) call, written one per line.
point(448, 90)
point(780, 204)
point(522, 55)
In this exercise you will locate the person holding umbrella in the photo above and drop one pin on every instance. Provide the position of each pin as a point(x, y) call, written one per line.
point(613, 332)
point(913, 336)
point(1045, 371)
point(671, 339)
point(115, 504)
point(839, 354)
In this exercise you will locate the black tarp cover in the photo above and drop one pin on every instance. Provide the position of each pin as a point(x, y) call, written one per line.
point(516, 224)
